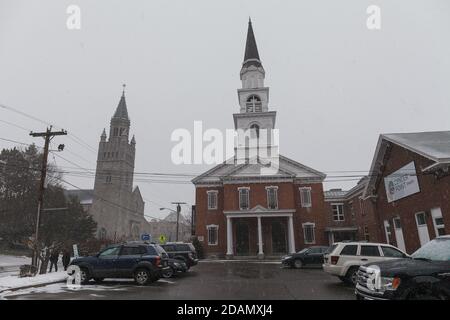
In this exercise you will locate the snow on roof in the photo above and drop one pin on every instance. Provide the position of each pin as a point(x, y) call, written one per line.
point(434, 145)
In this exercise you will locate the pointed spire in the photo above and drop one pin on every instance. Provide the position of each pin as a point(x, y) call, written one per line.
point(133, 140)
point(251, 56)
point(121, 111)
point(103, 136)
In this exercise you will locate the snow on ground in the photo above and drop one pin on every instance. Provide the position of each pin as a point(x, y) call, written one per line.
point(12, 261)
point(13, 281)
point(56, 288)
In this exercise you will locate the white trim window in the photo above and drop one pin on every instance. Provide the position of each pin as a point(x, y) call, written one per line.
point(338, 211)
point(438, 222)
point(212, 199)
point(272, 197)
point(305, 197)
point(309, 232)
point(213, 234)
point(244, 198)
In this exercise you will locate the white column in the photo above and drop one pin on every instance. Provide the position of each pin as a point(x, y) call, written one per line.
point(229, 237)
point(260, 242)
point(291, 235)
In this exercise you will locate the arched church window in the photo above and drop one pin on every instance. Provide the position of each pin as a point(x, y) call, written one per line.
point(121, 131)
point(254, 130)
point(116, 132)
point(254, 104)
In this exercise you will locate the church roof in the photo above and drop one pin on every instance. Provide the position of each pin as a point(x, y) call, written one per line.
point(229, 170)
point(251, 56)
point(121, 111)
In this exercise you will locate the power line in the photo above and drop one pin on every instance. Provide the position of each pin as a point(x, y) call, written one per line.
point(108, 201)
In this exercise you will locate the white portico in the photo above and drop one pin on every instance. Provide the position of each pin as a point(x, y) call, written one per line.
point(259, 213)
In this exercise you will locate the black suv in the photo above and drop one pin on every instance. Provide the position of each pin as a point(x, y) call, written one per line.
point(307, 256)
point(426, 275)
point(144, 262)
point(182, 251)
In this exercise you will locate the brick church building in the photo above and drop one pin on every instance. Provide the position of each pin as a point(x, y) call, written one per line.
point(404, 201)
point(240, 211)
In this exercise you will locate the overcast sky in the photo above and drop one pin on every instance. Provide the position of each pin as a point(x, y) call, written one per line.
point(335, 84)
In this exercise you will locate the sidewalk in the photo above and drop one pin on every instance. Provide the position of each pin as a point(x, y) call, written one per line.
point(13, 282)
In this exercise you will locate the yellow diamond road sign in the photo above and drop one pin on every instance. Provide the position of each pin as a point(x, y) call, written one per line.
point(162, 238)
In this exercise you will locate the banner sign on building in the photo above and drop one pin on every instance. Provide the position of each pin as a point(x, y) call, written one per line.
point(402, 183)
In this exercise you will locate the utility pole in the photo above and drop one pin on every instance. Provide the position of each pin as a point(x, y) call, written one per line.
point(178, 215)
point(47, 135)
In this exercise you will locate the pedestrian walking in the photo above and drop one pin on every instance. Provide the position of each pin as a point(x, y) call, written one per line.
point(66, 259)
point(54, 260)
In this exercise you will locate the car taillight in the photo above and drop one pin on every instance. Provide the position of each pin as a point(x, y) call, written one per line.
point(396, 283)
point(158, 261)
point(334, 259)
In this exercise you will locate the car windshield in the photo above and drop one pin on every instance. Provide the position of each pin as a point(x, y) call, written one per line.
point(303, 250)
point(437, 250)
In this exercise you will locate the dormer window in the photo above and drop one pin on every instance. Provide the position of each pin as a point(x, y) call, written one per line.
point(254, 104)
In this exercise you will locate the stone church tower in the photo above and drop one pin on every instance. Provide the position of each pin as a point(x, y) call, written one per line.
point(117, 208)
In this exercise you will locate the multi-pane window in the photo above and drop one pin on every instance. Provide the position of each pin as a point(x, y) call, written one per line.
point(366, 234)
point(108, 179)
point(212, 235)
point(212, 199)
point(272, 197)
point(305, 197)
point(440, 227)
point(308, 232)
point(244, 198)
point(338, 211)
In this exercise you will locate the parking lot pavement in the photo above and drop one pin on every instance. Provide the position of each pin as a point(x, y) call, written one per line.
point(210, 280)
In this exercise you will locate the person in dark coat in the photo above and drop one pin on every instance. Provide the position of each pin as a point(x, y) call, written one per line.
point(66, 259)
point(54, 260)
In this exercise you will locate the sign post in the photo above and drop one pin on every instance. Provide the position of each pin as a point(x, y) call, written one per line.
point(75, 251)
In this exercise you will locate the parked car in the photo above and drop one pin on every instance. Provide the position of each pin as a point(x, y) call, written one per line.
point(144, 262)
point(175, 266)
point(345, 258)
point(182, 251)
point(425, 275)
point(308, 256)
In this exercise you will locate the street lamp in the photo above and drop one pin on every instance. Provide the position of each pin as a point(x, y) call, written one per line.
point(178, 214)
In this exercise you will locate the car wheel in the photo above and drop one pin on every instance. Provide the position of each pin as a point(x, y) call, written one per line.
point(142, 276)
point(168, 273)
point(298, 264)
point(351, 277)
point(84, 276)
point(99, 280)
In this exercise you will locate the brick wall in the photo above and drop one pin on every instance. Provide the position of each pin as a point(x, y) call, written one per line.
point(434, 193)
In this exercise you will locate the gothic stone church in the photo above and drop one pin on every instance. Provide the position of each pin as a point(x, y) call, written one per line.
point(117, 207)
point(241, 212)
